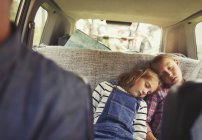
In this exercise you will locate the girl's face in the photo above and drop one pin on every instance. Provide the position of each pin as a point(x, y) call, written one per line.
point(169, 71)
point(143, 87)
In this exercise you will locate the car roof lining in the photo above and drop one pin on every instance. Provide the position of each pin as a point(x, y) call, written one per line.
point(159, 12)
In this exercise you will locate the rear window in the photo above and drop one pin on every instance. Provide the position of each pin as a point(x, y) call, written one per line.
point(136, 37)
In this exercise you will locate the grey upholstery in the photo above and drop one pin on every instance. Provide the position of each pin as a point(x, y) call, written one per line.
point(97, 66)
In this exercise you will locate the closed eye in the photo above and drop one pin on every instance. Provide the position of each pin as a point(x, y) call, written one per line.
point(147, 85)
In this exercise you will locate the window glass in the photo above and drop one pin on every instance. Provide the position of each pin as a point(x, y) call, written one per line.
point(198, 31)
point(14, 8)
point(40, 20)
point(137, 37)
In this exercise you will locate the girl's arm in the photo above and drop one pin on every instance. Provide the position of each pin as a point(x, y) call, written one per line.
point(139, 123)
point(150, 136)
point(103, 89)
point(152, 103)
point(97, 94)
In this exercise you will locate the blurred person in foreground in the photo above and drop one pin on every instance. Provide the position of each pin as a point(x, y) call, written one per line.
point(38, 100)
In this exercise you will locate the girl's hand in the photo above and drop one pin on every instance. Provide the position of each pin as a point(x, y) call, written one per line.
point(150, 136)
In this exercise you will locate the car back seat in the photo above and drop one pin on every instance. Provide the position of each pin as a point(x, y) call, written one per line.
point(99, 65)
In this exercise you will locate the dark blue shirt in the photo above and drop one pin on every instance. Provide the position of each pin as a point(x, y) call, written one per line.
point(39, 100)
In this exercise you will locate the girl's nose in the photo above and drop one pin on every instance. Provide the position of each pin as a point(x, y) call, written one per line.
point(147, 91)
point(169, 73)
point(143, 93)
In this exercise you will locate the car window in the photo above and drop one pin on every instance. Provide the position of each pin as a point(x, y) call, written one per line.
point(40, 20)
point(137, 37)
point(198, 34)
point(14, 9)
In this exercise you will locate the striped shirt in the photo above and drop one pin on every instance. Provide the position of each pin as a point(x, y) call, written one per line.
point(100, 96)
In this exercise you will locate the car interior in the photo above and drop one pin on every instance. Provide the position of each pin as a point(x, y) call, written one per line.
point(99, 39)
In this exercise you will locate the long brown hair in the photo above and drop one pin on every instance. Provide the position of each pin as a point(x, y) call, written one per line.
point(128, 79)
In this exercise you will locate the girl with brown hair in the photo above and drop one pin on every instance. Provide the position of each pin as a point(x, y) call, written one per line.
point(119, 110)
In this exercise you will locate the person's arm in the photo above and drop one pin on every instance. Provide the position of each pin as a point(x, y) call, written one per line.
point(64, 110)
point(152, 104)
point(139, 123)
point(150, 136)
point(97, 95)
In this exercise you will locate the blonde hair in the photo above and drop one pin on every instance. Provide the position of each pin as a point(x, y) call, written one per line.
point(127, 80)
point(159, 58)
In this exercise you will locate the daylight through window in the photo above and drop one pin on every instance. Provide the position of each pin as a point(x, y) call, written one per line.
point(198, 31)
point(138, 37)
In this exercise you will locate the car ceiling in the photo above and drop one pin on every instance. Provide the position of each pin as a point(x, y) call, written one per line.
point(159, 12)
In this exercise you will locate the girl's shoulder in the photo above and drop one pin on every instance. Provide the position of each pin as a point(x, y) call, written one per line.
point(106, 84)
point(142, 103)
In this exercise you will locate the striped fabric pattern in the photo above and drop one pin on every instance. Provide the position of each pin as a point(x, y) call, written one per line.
point(100, 96)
